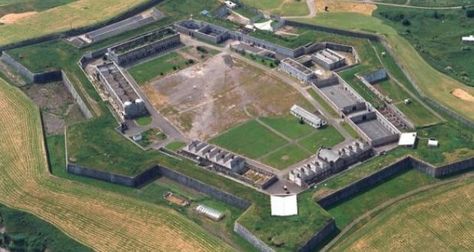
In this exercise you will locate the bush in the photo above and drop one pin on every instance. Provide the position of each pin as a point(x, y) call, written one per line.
point(406, 22)
point(470, 13)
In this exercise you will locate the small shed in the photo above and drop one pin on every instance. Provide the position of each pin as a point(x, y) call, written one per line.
point(468, 39)
point(137, 137)
point(433, 143)
point(210, 213)
point(407, 139)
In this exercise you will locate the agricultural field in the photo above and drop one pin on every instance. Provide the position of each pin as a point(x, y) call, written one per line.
point(27, 185)
point(22, 231)
point(437, 219)
point(429, 3)
point(13, 10)
point(206, 99)
point(424, 75)
point(277, 141)
point(72, 15)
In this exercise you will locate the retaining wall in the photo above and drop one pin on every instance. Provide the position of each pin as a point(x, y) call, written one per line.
point(365, 183)
point(72, 90)
point(22, 70)
point(251, 238)
point(322, 235)
point(333, 30)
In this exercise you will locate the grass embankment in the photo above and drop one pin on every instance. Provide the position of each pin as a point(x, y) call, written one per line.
point(65, 17)
point(434, 84)
point(26, 232)
point(437, 219)
point(27, 185)
point(429, 3)
point(277, 141)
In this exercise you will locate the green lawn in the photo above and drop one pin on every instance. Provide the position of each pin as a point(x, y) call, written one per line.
point(327, 136)
point(286, 156)
point(160, 66)
point(349, 210)
point(144, 120)
point(174, 146)
point(250, 139)
point(350, 130)
point(289, 126)
point(96, 144)
point(19, 6)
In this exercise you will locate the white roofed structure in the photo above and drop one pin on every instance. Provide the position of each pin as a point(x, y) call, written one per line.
point(307, 116)
point(284, 205)
point(468, 39)
point(407, 139)
point(209, 212)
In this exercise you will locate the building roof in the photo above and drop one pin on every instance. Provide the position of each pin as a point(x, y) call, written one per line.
point(407, 139)
point(284, 205)
point(306, 114)
point(328, 155)
point(469, 38)
point(433, 143)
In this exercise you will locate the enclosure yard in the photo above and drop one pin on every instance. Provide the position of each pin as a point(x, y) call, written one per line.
point(440, 219)
point(208, 98)
point(72, 15)
point(277, 141)
point(81, 211)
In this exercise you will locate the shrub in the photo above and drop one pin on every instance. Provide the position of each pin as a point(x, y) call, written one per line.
point(406, 22)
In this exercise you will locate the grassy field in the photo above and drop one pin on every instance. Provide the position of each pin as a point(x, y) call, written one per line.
point(65, 17)
point(81, 211)
point(144, 120)
point(280, 7)
point(96, 144)
point(429, 3)
point(19, 6)
point(160, 66)
point(250, 139)
point(349, 210)
point(258, 139)
point(439, 219)
point(434, 84)
point(26, 232)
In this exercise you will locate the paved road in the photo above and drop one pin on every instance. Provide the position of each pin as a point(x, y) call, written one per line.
point(158, 120)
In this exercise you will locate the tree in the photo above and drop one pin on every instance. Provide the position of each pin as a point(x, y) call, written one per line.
point(406, 22)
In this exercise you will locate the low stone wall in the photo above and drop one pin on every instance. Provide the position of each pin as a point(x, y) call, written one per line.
point(323, 234)
point(72, 90)
point(365, 183)
point(204, 188)
point(22, 70)
point(137, 181)
point(251, 238)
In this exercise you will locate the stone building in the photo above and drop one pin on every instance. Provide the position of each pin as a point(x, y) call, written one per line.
point(297, 70)
point(328, 162)
point(215, 155)
point(308, 117)
point(149, 44)
point(329, 59)
point(124, 98)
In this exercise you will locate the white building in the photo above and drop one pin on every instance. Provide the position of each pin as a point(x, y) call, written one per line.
point(407, 140)
point(284, 205)
point(307, 116)
point(209, 212)
point(468, 39)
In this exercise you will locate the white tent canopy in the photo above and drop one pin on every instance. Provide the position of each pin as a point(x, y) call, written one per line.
point(284, 205)
point(265, 26)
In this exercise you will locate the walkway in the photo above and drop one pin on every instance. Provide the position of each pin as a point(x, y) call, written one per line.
point(407, 5)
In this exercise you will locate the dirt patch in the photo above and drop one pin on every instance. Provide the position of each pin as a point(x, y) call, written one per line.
point(175, 199)
point(208, 98)
point(463, 95)
point(342, 6)
point(56, 105)
point(15, 17)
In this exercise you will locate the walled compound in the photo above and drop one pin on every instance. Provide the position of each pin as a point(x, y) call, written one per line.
point(307, 117)
point(329, 59)
point(328, 162)
point(144, 46)
point(124, 98)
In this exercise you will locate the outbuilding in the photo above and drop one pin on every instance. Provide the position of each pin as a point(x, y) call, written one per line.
point(407, 139)
point(433, 143)
point(468, 39)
